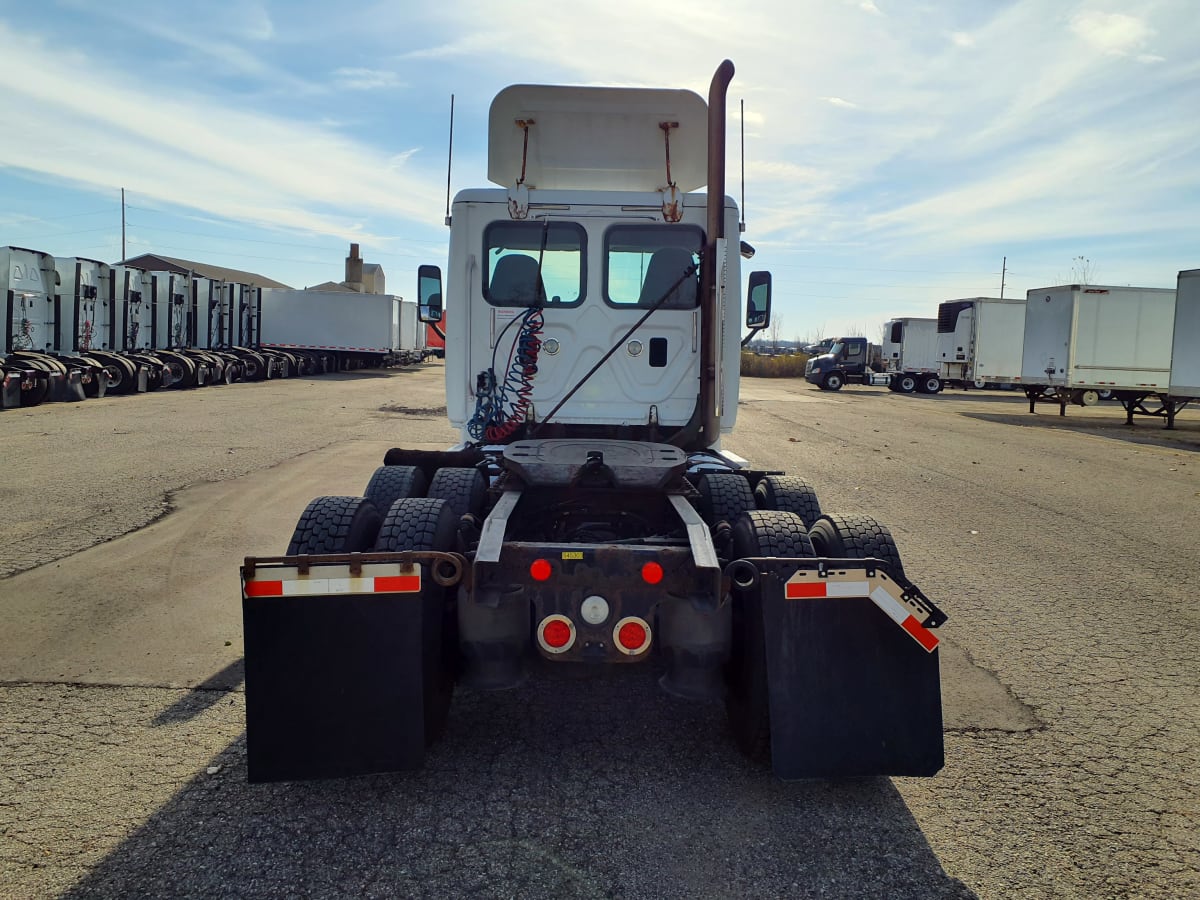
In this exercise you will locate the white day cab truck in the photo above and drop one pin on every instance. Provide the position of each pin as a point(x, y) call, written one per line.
point(1084, 339)
point(589, 516)
point(904, 363)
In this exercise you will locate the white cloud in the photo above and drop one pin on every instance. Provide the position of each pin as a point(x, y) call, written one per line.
point(1114, 33)
point(838, 101)
point(962, 39)
point(870, 7)
point(196, 151)
point(357, 79)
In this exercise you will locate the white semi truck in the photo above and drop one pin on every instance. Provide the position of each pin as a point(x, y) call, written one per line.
point(980, 341)
point(1083, 339)
point(589, 515)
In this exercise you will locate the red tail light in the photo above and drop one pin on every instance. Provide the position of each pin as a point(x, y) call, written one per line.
point(539, 569)
point(652, 573)
point(632, 635)
point(556, 634)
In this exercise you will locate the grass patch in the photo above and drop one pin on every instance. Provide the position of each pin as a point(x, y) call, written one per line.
point(791, 366)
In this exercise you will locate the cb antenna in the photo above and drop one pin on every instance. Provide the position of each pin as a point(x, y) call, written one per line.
point(449, 160)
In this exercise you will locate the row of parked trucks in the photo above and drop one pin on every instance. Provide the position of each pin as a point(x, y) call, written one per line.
point(77, 328)
point(1067, 344)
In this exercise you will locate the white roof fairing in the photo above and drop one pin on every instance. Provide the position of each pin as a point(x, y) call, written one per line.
point(591, 138)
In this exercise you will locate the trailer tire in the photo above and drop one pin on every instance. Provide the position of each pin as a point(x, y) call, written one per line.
point(724, 497)
point(855, 537)
point(425, 523)
point(762, 532)
point(464, 490)
point(905, 384)
point(392, 483)
point(979, 384)
point(790, 493)
point(929, 384)
point(832, 382)
point(335, 525)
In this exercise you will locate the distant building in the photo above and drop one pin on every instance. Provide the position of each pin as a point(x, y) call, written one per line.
point(361, 277)
point(156, 263)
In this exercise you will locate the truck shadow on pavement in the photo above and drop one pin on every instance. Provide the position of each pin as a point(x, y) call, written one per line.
point(1149, 431)
point(205, 695)
point(568, 787)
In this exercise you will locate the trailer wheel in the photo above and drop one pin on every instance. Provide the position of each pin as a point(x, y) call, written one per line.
point(832, 382)
point(929, 384)
point(905, 384)
point(762, 532)
point(424, 523)
point(855, 537)
point(392, 483)
point(979, 384)
point(790, 493)
point(724, 497)
point(335, 525)
point(1085, 397)
point(464, 490)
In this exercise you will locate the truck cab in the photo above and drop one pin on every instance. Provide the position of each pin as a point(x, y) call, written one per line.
point(850, 360)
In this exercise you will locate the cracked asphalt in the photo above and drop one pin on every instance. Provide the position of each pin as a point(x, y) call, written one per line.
point(1060, 548)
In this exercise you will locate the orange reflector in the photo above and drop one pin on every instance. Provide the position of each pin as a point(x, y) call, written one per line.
point(652, 573)
point(556, 632)
point(539, 569)
point(632, 635)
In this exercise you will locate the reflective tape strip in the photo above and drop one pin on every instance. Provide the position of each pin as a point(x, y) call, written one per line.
point(806, 585)
point(803, 590)
point(311, 587)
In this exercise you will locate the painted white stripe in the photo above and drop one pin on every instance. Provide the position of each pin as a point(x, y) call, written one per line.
point(847, 589)
point(304, 587)
point(890, 605)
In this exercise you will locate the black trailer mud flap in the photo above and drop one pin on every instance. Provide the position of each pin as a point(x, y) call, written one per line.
point(852, 691)
point(333, 685)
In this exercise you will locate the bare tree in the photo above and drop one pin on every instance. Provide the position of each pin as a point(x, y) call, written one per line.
point(773, 330)
point(1082, 270)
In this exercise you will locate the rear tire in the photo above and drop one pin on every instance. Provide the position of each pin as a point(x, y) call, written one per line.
point(724, 497)
point(463, 489)
point(424, 523)
point(761, 532)
point(335, 525)
point(929, 384)
point(855, 537)
point(905, 384)
point(392, 483)
point(790, 493)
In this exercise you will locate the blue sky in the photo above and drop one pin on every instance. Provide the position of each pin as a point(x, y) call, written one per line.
point(896, 151)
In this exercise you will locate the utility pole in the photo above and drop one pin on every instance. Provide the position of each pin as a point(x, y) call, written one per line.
point(1003, 272)
point(122, 224)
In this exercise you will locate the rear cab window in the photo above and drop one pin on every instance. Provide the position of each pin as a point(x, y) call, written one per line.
point(512, 251)
point(642, 263)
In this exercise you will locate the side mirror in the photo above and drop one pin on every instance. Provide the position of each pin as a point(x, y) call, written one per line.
point(758, 301)
point(429, 294)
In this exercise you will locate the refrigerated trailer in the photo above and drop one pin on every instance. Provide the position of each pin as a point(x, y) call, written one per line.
point(906, 361)
point(980, 341)
point(1082, 339)
point(1184, 383)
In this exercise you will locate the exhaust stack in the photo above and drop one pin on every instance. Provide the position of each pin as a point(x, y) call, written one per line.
point(709, 327)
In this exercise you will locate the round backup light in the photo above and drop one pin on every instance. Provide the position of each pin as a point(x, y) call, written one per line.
point(652, 573)
point(539, 569)
point(631, 635)
point(594, 610)
point(556, 634)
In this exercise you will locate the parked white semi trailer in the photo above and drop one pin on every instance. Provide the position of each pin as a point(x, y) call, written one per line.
point(980, 341)
point(589, 517)
point(1082, 339)
point(344, 329)
point(1185, 345)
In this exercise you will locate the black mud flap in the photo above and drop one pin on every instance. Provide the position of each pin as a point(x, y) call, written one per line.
point(851, 693)
point(333, 685)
